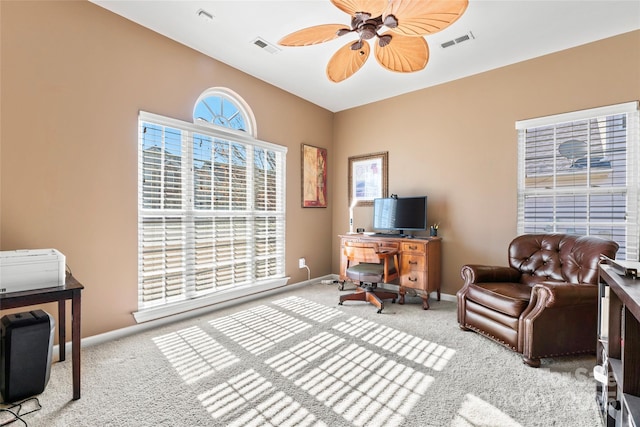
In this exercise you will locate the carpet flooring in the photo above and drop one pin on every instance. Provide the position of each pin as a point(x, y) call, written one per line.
point(297, 358)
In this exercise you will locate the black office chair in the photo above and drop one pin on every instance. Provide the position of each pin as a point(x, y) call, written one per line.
point(367, 266)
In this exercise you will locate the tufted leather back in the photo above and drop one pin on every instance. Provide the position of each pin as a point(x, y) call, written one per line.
point(559, 257)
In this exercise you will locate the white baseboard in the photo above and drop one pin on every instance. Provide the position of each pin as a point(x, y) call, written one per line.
point(446, 297)
point(141, 327)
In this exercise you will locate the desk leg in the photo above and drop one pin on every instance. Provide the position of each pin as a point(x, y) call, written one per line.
point(402, 291)
point(425, 301)
point(75, 338)
point(62, 325)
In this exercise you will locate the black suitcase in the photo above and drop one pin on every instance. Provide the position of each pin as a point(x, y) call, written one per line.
point(26, 347)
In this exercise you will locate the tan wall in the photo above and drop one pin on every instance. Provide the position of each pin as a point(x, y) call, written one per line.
point(74, 77)
point(457, 143)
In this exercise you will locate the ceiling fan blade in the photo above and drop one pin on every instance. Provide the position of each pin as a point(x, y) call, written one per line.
point(374, 7)
point(313, 35)
point(346, 61)
point(403, 54)
point(419, 18)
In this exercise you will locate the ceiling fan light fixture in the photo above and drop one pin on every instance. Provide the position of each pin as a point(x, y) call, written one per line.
point(384, 40)
point(390, 21)
point(368, 32)
point(361, 16)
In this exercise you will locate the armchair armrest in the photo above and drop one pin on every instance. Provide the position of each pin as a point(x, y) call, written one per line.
point(550, 294)
point(486, 273)
point(561, 319)
point(475, 273)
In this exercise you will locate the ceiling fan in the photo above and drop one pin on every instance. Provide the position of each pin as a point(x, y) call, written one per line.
point(402, 48)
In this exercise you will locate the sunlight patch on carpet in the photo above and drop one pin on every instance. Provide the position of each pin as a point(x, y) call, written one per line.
point(362, 386)
point(249, 399)
point(418, 350)
point(298, 357)
point(309, 309)
point(194, 354)
point(475, 412)
point(260, 328)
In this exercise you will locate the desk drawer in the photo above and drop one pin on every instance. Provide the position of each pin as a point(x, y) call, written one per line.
point(414, 247)
point(412, 263)
point(413, 279)
point(388, 246)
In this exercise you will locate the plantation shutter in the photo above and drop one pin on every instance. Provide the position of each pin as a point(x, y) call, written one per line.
point(269, 224)
point(578, 174)
point(211, 210)
point(162, 233)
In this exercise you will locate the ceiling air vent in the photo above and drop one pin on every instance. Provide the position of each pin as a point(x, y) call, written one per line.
point(263, 44)
point(458, 40)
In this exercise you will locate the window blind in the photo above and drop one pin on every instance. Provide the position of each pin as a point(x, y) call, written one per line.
point(211, 212)
point(578, 174)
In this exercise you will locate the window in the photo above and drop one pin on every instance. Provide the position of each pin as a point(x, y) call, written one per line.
point(222, 107)
point(578, 173)
point(211, 217)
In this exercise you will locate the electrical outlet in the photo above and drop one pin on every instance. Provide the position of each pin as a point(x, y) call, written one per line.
point(302, 263)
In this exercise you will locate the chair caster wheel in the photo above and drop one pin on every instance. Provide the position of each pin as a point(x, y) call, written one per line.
point(340, 303)
point(380, 311)
point(393, 301)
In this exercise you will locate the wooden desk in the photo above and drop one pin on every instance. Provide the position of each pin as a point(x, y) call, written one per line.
point(71, 290)
point(419, 262)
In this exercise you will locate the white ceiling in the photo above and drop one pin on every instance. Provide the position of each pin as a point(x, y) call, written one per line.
point(504, 32)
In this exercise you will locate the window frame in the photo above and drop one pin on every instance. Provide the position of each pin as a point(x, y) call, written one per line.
point(193, 299)
point(589, 188)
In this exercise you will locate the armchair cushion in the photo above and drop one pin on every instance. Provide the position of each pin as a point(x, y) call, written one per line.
point(508, 298)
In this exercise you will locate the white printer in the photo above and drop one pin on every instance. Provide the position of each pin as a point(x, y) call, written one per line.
point(27, 269)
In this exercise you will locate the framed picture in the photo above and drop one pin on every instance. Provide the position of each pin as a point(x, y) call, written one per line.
point(314, 177)
point(368, 178)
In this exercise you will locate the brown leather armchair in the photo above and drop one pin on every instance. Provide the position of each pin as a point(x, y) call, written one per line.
point(545, 303)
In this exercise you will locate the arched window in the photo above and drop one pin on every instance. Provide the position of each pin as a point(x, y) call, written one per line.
point(211, 207)
point(224, 108)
